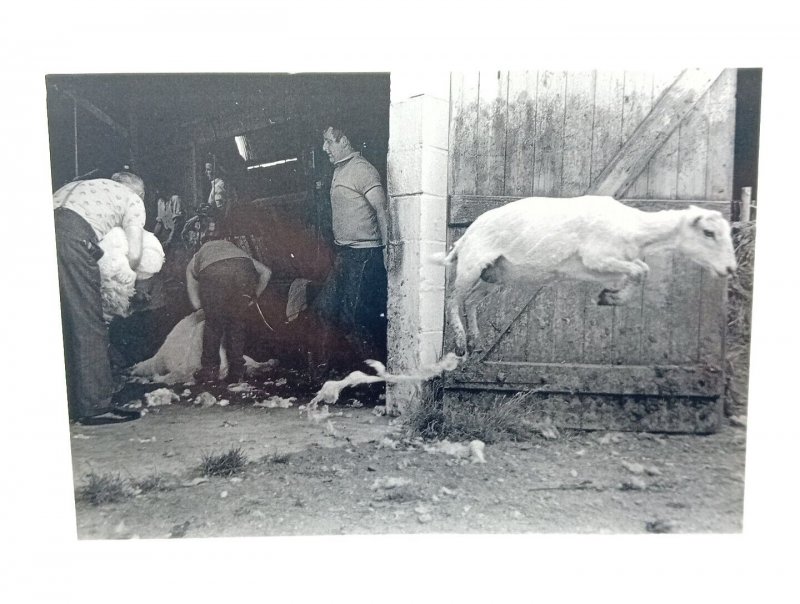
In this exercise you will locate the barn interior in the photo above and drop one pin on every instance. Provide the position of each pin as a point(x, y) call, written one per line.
point(265, 132)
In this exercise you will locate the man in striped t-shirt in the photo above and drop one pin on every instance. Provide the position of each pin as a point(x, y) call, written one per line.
point(353, 297)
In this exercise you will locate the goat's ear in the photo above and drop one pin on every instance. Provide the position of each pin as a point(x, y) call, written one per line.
point(696, 214)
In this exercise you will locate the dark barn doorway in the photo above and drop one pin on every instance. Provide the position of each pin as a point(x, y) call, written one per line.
point(748, 121)
point(265, 130)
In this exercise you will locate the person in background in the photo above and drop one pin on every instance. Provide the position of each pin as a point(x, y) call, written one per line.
point(168, 219)
point(353, 296)
point(225, 282)
point(84, 212)
point(222, 195)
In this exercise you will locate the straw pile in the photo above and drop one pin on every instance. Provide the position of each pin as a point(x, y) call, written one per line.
point(740, 300)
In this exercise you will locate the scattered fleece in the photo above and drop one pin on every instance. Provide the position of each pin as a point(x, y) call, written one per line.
point(117, 279)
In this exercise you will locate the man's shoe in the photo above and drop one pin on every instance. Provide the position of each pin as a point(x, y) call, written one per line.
point(233, 378)
point(115, 416)
point(206, 375)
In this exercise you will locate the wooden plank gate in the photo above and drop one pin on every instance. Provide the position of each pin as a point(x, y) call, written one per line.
point(654, 141)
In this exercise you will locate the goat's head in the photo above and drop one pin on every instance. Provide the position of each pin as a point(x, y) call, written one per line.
point(706, 239)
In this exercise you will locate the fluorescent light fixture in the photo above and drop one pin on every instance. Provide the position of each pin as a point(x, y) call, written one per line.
point(243, 147)
point(272, 163)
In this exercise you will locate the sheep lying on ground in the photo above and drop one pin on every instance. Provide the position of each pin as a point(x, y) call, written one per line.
point(117, 280)
point(179, 355)
point(590, 238)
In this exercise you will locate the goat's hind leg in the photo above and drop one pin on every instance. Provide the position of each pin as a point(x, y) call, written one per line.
point(465, 285)
point(454, 312)
point(632, 273)
point(619, 296)
point(492, 274)
point(478, 293)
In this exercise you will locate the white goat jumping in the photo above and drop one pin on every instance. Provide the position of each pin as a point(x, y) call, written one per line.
point(591, 238)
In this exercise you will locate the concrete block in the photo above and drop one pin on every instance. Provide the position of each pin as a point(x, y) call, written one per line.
point(430, 348)
point(400, 397)
point(421, 120)
point(431, 247)
point(433, 218)
point(418, 217)
point(431, 310)
point(403, 306)
point(405, 222)
point(417, 170)
point(403, 302)
point(434, 171)
point(435, 122)
point(403, 345)
point(405, 123)
point(432, 275)
point(404, 171)
point(407, 84)
point(431, 289)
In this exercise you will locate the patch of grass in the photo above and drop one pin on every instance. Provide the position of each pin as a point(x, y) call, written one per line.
point(401, 494)
point(276, 457)
point(280, 458)
point(571, 434)
point(153, 482)
point(507, 418)
point(104, 488)
point(225, 464)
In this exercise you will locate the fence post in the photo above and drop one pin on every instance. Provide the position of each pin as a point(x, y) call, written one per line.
point(744, 204)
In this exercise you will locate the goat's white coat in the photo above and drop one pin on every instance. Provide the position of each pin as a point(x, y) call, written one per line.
point(590, 238)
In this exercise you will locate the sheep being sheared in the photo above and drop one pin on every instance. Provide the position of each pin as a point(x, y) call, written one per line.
point(117, 279)
point(591, 238)
point(179, 356)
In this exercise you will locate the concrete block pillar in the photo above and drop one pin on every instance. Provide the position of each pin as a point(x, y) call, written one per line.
point(417, 189)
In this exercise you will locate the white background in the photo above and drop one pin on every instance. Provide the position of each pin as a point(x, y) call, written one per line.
point(45, 560)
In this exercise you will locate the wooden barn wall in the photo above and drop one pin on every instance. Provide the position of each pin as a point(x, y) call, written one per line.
point(547, 133)
point(552, 133)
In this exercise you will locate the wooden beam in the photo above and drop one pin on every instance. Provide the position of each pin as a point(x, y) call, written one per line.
point(665, 117)
point(569, 378)
point(94, 110)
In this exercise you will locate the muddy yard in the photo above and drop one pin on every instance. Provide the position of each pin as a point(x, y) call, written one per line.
point(357, 471)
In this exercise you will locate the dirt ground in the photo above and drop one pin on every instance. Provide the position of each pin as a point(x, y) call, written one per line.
point(358, 472)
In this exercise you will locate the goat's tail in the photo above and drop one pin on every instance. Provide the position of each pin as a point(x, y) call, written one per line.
point(443, 259)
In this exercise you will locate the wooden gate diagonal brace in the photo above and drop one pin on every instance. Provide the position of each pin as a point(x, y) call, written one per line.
point(667, 114)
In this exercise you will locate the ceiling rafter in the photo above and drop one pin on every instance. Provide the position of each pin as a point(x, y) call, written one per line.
point(94, 110)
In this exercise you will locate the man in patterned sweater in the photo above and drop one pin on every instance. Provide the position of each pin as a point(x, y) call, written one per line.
point(84, 212)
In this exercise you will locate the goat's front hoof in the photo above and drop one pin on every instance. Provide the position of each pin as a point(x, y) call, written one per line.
point(643, 267)
point(474, 346)
point(609, 297)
